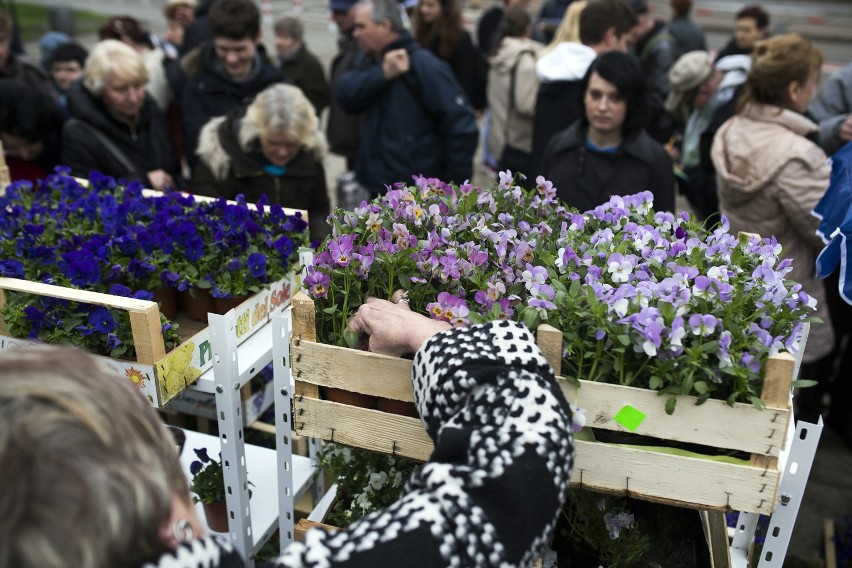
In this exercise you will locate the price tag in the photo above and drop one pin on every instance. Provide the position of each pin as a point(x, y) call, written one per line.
point(629, 417)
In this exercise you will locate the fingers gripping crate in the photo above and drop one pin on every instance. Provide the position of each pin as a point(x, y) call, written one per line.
point(682, 480)
point(159, 375)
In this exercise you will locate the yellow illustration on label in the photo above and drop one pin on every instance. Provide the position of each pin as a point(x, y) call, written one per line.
point(136, 377)
point(175, 371)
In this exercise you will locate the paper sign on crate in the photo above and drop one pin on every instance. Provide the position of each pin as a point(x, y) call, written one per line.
point(162, 376)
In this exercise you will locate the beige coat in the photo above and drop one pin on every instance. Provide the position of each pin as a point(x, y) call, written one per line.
point(511, 51)
point(769, 178)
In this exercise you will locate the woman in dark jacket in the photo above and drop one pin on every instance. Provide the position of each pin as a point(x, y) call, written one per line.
point(272, 147)
point(607, 152)
point(439, 28)
point(115, 126)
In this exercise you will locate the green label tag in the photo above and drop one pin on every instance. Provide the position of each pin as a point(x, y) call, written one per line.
point(629, 417)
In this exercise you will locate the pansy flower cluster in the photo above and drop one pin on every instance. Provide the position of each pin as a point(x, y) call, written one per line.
point(643, 298)
point(106, 237)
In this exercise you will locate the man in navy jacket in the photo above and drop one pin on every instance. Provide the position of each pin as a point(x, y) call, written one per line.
point(417, 118)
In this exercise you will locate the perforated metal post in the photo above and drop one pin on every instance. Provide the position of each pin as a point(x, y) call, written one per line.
point(229, 416)
point(281, 330)
point(791, 490)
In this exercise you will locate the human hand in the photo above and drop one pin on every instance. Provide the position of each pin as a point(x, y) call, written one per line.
point(846, 129)
point(391, 328)
point(395, 63)
point(161, 181)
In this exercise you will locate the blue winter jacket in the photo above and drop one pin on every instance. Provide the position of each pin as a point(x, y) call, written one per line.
point(418, 123)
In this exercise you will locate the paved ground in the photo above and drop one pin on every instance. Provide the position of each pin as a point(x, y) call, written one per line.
point(829, 492)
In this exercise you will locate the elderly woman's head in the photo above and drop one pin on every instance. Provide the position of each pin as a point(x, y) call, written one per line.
point(784, 72)
point(116, 73)
point(283, 122)
point(90, 476)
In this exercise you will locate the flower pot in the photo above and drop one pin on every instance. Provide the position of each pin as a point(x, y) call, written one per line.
point(392, 406)
point(348, 398)
point(217, 516)
point(167, 298)
point(223, 305)
point(197, 308)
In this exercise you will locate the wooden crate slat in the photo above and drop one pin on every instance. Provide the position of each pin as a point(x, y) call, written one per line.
point(368, 373)
point(714, 423)
point(691, 482)
point(362, 428)
point(76, 295)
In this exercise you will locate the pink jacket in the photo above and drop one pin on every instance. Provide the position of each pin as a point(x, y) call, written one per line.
point(769, 178)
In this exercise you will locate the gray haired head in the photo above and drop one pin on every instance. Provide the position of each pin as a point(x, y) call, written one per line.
point(389, 10)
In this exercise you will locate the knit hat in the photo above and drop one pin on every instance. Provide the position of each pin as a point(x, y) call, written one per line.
point(342, 5)
point(686, 74)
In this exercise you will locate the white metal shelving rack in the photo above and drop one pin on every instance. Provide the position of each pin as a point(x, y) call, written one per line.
point(233, 366)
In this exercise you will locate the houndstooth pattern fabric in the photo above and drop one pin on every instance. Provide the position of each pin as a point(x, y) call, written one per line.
point(492, 491)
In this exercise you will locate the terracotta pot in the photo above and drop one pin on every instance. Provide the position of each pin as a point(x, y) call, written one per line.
point(167, 298)
point(348, 398)
point(392, 406)
point(197, 308)
point(224, 305)
point(217, 516)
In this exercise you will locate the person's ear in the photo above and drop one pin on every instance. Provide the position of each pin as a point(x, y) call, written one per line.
point(259, 38)
point(795, 91)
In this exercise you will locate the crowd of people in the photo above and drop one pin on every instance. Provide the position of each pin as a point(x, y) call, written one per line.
point(598, 96)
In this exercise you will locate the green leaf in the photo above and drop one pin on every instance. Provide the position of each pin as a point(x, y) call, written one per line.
point(700, 387)
point(758, 404)
point(623, 339)
point(804, 383)
point(655, 382)
point(330, 311)
point(531, 318)
point(351, 338)
point(671, 402)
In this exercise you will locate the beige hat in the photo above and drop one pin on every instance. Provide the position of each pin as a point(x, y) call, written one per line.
point(686, 74)
point(170, 6)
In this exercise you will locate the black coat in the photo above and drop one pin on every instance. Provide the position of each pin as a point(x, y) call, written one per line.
point(305, 71)
point(343, 129)
point(209, 91)
point(139, 150)
point(656, 51)
point(225, 170)
point(556, 108)
point(417, 123)
point(469, 67)
point(585, 178)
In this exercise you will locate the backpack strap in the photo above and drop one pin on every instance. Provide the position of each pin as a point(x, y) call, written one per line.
point(104, 141)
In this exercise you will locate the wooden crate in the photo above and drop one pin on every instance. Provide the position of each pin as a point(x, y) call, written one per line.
point(160, 375)
point(673, 479)
point(5, 178)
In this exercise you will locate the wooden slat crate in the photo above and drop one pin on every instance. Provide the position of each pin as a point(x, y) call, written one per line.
point(160, 375)
point(672, 479)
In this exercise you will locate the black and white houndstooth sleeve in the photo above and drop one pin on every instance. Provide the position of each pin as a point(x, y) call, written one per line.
point(493, 488)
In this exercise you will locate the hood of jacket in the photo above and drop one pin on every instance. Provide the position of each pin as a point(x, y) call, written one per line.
point(568, 61)
point(219, 148)
point(510, 48)
point(751, 148)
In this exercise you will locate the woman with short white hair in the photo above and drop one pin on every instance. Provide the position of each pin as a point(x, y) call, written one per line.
point(116, 128)
point(273, 147)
